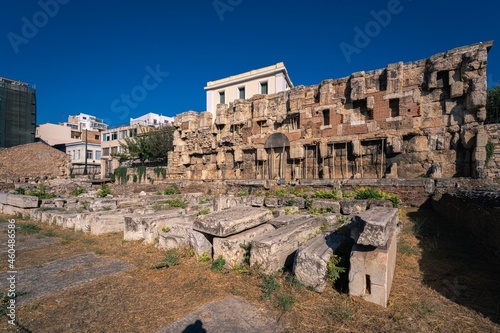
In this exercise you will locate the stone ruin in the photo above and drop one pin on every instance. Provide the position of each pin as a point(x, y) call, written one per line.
point(409, 119)
point(266, 232)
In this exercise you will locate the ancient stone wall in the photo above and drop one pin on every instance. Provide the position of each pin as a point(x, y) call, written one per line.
point(33, 162)
point(493, 166)
point(404, 121)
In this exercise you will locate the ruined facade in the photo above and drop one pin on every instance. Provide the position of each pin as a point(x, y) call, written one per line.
point(406, 120)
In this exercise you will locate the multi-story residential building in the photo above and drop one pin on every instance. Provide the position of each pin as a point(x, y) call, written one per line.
point(82, 154)
point(85, 121)
point(17, 113)
point(111, 145)
point(268, 80)
point(152, 119)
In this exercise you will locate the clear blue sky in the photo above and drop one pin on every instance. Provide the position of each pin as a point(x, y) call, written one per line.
point(85, 55)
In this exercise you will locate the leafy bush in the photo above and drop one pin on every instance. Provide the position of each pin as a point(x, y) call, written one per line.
point(40, 192)
point(284, 302)
point(218, 264)
point(334, 271)
point(290, 202)
point(171, 259)
point(104, 191)
point(20, 190)
point(371, 193)
point(172, 190)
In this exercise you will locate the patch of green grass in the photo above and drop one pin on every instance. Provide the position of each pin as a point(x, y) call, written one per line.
point(290, 202)
point(242, 194)
point(280, 193)
point(171, 259)
point(218, 264)
point(20, 191)
point(172, 190)
point(178, 203)
point(165, 230)
point(205, 257)
point(104, 190)
point(203, 211)
point(284, 302)
point(77, 191)
point(371, 193)
point(340, 313)
point(321, 194)
point(405, 248)
point(48, 233)
point(28, 228)
point(269, 285)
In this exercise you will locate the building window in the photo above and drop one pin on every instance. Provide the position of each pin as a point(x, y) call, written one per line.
point(294, 122)
point(114, 150)
point(394, 106)
point(261, 125)
point(96, 137)
point(241, 92)
point(90, 154)
point(222, 97)
point(132, 132)
point(105, 151)
point(78, 154)
point(263, 88)
point(114, 136)
point(326, 117)
point(97, 154)
point(123, 134)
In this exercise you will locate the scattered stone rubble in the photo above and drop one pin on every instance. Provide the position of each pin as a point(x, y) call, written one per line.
point(250, 229)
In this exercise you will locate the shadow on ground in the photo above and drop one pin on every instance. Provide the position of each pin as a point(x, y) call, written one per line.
point(456, 265)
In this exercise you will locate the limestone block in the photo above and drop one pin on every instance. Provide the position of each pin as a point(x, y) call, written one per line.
point(467, 136)
point(372, 271)
point(271, 202)
point(3, 198)
point(199, 243)
point(327, 205)
point(232, 221)
point(352, 207)
point(380, 203)
point(286, 220)
point(99, 204)
point(223, 202)
point(358, 88)
point(479, 154)
point(374, 226)
point(457, 89)
point(294, 201)
point(481, 114)
point(311, 260)
point(270, 252)
point(481, 138)
point(169, 241)
point(477, 96)
point(257, 201)
point(370, 102)
point(105, 223)
point(229, 248)
point(22, 201)
point(177, 223)
point(418, 144)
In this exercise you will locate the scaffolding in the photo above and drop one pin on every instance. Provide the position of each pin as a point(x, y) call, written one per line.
point(17, 113)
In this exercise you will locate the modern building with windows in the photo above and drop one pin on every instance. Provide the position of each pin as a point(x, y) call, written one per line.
point(267, 80)
point(83, 121)
point(17, 113)
point(82, 154)
point(152, 119)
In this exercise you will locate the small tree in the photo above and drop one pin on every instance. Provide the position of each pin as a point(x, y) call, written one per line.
point(152, 146)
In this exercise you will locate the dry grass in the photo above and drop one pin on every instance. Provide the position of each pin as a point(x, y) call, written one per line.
point(145, 299)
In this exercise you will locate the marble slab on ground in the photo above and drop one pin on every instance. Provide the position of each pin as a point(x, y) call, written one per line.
point(42, 280)
point(227, 316)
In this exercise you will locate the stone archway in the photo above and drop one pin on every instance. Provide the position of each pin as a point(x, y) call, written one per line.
point(276, 147)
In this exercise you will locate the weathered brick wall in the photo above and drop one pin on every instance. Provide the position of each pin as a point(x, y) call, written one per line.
point(31, 162)
point(427, 115)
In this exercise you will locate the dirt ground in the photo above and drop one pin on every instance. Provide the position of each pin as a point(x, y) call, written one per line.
point(444, 282)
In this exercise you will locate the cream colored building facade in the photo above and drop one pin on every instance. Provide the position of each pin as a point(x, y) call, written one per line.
point(267, 80)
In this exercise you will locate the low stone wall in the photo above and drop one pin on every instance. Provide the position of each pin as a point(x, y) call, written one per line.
point(493, 166)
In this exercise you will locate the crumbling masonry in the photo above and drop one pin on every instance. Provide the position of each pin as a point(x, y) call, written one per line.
point(408, 119)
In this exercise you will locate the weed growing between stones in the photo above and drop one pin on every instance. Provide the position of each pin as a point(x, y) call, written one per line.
point(204, 211)
point(178, 203)
point(171, 259)
point(218, 264)
point(172, 190)
point(205, 257)
point(371, 193)
point(77, 191)
point(165, 230)
point(104, 191)
point(334, 270)
point(269, 285)
point(321, 194)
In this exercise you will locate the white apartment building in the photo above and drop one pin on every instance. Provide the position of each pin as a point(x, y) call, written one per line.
point(78, 157)
point(87, 122)
point(267, 80)
point(152, 119)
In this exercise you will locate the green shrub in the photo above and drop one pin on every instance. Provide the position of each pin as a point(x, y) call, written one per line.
point(280, 193)
point(165, 230)
point(284, 302)
point(269, 285)
point(371, 193)
point(77, 191)
point(218, 264)
point(40, 192)
point(334, 271)
point(104, 191)
point(120, 174)
point(290, 202)
point(171, 259)
point(20, 190)
point(246, 257)
point(172, 190)
point(134, 179)
point(176, 203)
